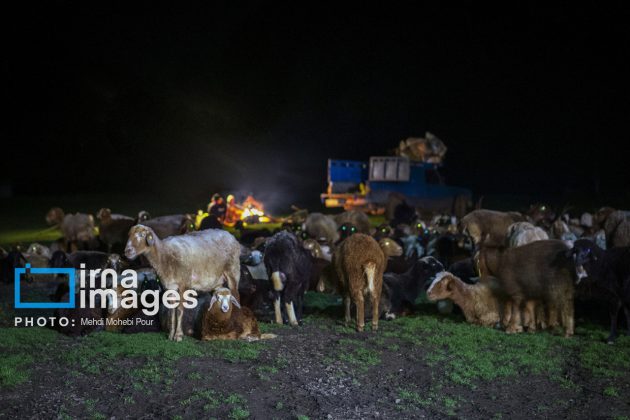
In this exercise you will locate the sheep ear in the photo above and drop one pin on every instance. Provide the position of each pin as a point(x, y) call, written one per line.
point(212, 301)
point(235, 302)
point(150, 239)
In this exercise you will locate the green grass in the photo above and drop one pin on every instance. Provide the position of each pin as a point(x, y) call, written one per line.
point(321, 301)
point(13, 370)
point(358, 354)
point(469, 353)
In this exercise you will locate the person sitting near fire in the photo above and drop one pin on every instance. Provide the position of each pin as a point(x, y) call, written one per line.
point(217, 207)
point(233, 212)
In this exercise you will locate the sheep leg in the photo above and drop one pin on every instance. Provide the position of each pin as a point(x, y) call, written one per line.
point(291, 313)
point(515, 322)
point(348, 318)
point(171, 324)
point(277, 310)
point(507, 314)
point(375, 313)
point(360, 304)
point(529, 320)
point(567, 318)
point(613, 311)
point(179, 332)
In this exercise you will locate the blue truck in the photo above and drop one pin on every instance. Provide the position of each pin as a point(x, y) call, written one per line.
point(371, 186)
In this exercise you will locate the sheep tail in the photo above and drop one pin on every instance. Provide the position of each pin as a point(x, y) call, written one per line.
point(370, 271)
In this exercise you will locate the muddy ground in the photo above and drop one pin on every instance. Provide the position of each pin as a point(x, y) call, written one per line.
point(424, 365)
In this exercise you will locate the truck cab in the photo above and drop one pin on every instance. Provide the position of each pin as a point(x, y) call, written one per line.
point(371, 185)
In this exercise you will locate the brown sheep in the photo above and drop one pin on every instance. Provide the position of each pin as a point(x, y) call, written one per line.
point(479, 302)
point(489, 226)
point(226, 320)
point(538, 272)
point(360, 264)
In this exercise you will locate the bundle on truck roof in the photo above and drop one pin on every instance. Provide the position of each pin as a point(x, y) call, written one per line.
point(411, 175)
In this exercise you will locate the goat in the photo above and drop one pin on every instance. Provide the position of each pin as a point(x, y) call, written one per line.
point(608, 278)
point(200, 261)
point(488, 225)
point(225, 319)
point(289, 267)
point(539, 272)
point(522, 233)
point(360, 263)
point(479, 302)
point(113, 228)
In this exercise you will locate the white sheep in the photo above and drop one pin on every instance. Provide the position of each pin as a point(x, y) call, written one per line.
point(199, 261)
point(523, 233)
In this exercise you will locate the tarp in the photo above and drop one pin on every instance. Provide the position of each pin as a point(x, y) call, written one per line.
point(423, 149)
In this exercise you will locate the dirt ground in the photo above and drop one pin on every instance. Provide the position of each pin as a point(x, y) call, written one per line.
point(424, 365)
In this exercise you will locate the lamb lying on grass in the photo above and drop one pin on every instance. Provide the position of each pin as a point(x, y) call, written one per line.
point(225, 319)
point(478, 302)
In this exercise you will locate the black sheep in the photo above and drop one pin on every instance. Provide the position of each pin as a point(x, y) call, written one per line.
point(403, 289)
point(608, 279)
point(10, 262)
point(465, 270)
point(289, 267)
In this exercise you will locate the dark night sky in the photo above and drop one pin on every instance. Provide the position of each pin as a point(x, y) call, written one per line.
point(529, 100)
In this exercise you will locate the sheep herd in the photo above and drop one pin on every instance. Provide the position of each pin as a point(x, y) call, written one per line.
point(518, 271)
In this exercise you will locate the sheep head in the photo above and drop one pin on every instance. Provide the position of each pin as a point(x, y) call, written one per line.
point(390, 248)
point(225, 299)
point(442, 287)
point(54, 216)
point(141, 240)
point(143, 215)
point(346, 230)
point(314, 248)
point(187, 226)
point(585, 254)
point(104, 214)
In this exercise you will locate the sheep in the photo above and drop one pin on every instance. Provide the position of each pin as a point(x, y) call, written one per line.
point(113, 228)
point(360, 263)
point(248, 236)
point(200, 261)
point(93, 260)
point(165, 226)
point(479, 302)
point(192, 318)
point(403, 289)
point(254, 292)
point(617, 228)
point(488, 225)
point(38, 255)
point(225, 319)
point(538, 272)
point(560, 230)
point(289, 267)
point(346, 230)
point(608, 277)
point(356, 218)
point(541, 215)
point(522, 233)
point(77, 229)
point(321, 227)
point(396, 261)
point(12, 260)
point(142, 216)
